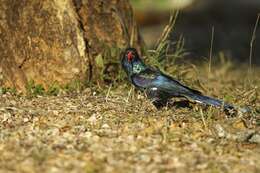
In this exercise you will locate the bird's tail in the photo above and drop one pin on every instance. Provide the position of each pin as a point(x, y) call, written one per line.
point(209, 101)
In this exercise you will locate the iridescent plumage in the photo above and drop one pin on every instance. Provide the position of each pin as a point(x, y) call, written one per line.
point(158, 86)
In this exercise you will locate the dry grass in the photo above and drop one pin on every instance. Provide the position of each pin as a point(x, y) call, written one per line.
point(101, 131)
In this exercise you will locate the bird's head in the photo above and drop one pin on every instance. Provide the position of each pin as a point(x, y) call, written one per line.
point(130, 59)
point(130, 55)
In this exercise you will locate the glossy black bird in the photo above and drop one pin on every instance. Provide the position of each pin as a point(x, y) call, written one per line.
point(160, 87)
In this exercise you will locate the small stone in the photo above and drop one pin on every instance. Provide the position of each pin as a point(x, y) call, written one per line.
point(105, 126)
point(53, 132)
point(25, 120)
point(87, 91)
point(13, 102)
point(177, 162)
point(86, 135)
point(255, 138)
point(139, 97)
point(89, 105)
point(96, 138)
point(220, 131)
point(157, 159)
point(36, 119)
point(93, 119)
point(55, 112)
point(6, 116)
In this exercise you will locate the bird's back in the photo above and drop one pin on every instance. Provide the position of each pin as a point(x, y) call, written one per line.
point(154, 78)
point(176, 84)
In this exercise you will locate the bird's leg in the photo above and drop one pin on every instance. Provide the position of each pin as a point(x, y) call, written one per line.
point(158, 103)
point(156, 98)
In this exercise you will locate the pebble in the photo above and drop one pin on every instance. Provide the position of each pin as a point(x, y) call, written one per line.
point(93, 119)
point(105, 126)
point(13, 102)
point(255, 138)
point(25, 120)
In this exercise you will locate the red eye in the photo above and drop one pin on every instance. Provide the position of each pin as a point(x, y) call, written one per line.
point(130, 56)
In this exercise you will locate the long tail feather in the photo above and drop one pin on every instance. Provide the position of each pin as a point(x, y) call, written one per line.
point(210, 101)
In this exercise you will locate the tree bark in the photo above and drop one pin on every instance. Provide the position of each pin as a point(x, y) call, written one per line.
point(59, 41)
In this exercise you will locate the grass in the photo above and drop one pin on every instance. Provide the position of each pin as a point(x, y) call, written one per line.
point(54, 89)
point(4, 90)
point(112, 130)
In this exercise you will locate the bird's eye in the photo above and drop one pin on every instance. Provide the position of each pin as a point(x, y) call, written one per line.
point(130, 56)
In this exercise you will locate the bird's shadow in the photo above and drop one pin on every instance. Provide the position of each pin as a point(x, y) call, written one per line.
point(173, 104)
point(179, 104)
point(189, 105)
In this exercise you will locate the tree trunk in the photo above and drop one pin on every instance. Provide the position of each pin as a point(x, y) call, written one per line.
point(59, 41)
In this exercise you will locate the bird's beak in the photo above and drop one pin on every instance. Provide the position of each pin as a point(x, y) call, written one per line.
point(130, 56)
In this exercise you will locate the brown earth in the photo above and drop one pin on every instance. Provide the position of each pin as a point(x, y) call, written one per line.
point(118, 130)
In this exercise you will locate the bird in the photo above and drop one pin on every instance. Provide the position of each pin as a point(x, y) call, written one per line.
point(159, 87)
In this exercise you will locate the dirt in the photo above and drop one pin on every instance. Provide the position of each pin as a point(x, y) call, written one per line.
point(117, 129)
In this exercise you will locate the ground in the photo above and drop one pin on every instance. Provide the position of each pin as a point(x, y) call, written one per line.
point(116, 129)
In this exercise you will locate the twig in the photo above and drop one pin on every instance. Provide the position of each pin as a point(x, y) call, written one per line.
point(252, 43)
point(203, 119)
point(167, 30)
point(133, 31)
point(129, 94)
point(211, 47)
point(108, 92)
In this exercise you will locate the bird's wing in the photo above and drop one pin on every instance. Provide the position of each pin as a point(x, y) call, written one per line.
point(180, 85)
point(152, 78)
point(171, 86)
point(152, 81)
point(144, 79)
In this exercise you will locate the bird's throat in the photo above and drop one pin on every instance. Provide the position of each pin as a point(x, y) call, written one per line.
point(137, 68)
